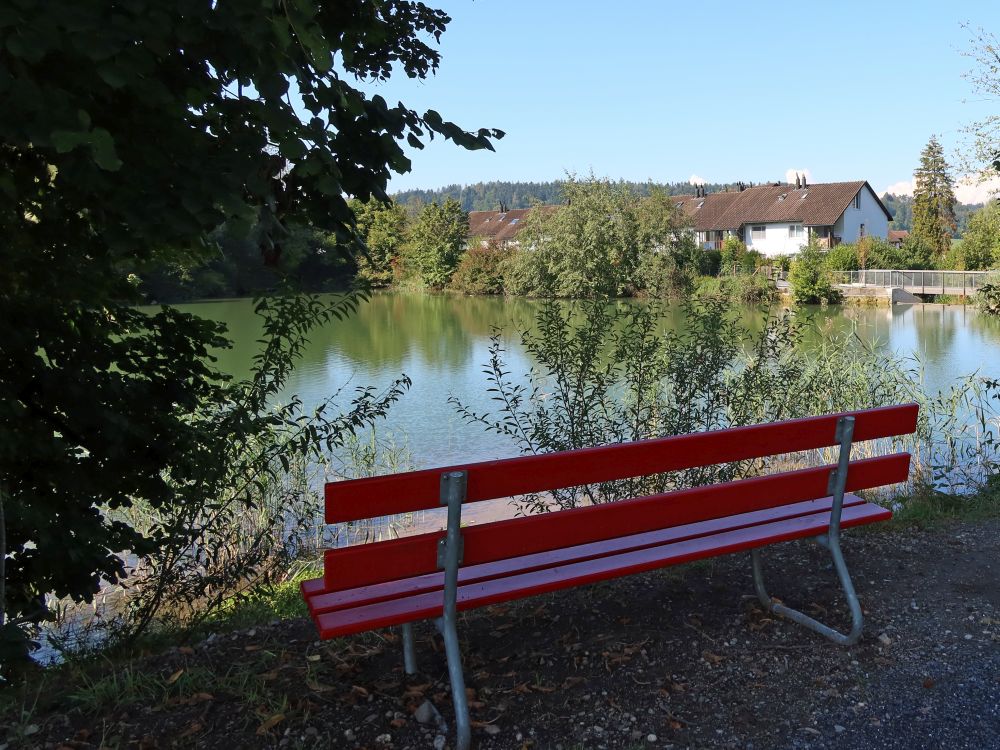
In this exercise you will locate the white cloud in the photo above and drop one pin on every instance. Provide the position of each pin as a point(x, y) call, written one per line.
point(790, 175)
point(969, 189)
point(903, 187)
point(696, 180)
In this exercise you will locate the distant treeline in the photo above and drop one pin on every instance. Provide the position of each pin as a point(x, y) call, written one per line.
point(901, 208)
point(487, 196)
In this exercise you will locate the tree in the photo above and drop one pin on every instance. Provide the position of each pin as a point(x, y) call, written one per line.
point(129, 132)
point(436, 241)
point(982, 157)
point(382, 227)
point(934, 199)
point(980, 247)
point(809, 278)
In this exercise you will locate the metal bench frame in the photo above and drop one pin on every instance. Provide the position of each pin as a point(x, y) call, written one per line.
point(453, 491)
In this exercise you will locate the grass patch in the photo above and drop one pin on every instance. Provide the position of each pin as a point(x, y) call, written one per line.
point(927, 505)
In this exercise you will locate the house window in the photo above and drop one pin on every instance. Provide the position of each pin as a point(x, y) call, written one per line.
point(857, 201)
point(758, 232)
point(861, 232)
point(796, 231)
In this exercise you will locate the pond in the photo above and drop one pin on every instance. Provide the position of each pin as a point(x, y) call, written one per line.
point(441, 342)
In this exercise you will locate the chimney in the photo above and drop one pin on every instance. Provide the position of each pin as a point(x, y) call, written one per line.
point(798, 181)
point(804, 181)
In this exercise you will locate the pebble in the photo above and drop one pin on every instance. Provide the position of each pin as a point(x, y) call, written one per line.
point(439, 742)
point(349, 735)
point(425, 713)
point(651, 737)
point(492, 729)
point(839, 729)
point(884, 639)
point(385, 739)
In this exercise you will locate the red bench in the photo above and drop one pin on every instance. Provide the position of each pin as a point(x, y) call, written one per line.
point(438, 574)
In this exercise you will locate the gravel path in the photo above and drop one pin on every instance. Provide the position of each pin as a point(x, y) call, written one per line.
point(681, 658)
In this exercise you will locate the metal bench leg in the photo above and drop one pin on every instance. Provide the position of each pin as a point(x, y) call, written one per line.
point(838, 481)
point(857, 619)
point(409, 654)
point(453, 486)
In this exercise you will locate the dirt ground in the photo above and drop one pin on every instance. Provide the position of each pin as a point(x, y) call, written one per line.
point(679, 658)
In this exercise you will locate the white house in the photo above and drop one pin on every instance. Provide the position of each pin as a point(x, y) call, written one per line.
point(779, 219)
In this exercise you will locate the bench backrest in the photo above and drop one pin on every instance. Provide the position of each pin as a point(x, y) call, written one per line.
point(420, 490)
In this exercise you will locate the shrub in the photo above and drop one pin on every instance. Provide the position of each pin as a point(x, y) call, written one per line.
point(480, 271)
point(810, 280)
point(842, 258)
point(710, 262)
point(526, 274)
point(743, 289)
point(988, 299)
point(732, 254)
point(660, 276)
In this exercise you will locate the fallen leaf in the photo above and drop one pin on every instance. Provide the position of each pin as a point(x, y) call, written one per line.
point(270, 724)
point(186, 650)
point(175, 676)
point(251, 647)
point(195, 727)
point(313, 657)
point(928, 682)
point(397, 723)
point(712, 658)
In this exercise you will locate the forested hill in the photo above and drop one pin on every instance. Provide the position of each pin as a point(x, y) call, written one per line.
point(487, 196)
point(901, 208)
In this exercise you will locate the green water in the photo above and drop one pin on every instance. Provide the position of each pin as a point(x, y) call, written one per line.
point(441, 343)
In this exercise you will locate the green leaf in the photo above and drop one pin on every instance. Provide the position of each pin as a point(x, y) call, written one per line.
point(103, 146)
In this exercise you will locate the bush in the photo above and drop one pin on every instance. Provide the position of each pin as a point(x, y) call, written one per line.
point(988, 299)
point(526, 274)
point(810, 280)
point(710, 263)
point(731, 256)
point(842, 258)
point(743, 289)
point(480, 271)
point(660, 276)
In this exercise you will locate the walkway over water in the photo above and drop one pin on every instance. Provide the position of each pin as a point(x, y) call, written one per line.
point(921, 282)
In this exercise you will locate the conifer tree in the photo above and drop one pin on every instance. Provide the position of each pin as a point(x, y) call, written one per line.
point(934, 199)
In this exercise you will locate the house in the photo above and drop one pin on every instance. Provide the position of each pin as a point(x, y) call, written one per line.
point(500, 227)
point(778, 219)
point(897, 237)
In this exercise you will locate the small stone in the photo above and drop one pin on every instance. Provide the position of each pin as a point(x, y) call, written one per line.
point(839, 729)
point(968, 637)
point(650, 737)
point(425, 713)
point(492, 729)
point(385, 739)
point(349, 735)
point(884, 639)
point(439, 742)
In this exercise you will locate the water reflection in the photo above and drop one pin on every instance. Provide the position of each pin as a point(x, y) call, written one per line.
point(441, 342)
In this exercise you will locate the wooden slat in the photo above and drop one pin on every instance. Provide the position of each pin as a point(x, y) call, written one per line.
point(365, 564)
point(419, 490)
point(429, 605)
point(320, 600)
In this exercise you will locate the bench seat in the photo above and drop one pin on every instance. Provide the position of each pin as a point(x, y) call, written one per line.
point(354, 610)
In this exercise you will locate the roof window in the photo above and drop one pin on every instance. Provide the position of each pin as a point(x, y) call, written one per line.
point(804, 194)
point(513, 221)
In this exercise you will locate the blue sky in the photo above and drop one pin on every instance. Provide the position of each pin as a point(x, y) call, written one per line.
point(722, 90)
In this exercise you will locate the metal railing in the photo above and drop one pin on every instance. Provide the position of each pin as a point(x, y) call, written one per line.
point(922, 282)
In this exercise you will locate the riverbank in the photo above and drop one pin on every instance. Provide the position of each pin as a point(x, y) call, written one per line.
point(698, 663)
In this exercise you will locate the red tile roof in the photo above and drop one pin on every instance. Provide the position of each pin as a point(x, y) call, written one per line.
point(500, 226)
point(815, 205)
